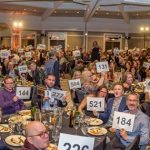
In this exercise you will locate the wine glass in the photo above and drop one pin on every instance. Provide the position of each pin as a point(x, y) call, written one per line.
point(66, 114)
point(19, 127)
point(11, 126)
point(76, 124)
point(55, 135)
point(37, 115)
point(88, 120)
point(50, 122)
point(59, 122)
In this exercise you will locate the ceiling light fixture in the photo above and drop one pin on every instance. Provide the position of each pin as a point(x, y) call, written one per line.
point(17, 24)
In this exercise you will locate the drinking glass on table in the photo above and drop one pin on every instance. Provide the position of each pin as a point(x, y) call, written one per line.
point(37, 115)
point(55, 135)
point(59, 122)
point(88, 120)
point(11, 126)
point(76, 124)
point(50, 122)
point(19, 127)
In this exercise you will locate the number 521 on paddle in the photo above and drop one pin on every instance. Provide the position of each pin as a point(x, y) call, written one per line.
point(123, 120)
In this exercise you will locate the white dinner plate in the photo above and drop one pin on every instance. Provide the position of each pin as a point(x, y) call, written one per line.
point(15, 140)
point(93, 121)
point(25, 112)
point(4, 128)
point(97, 131)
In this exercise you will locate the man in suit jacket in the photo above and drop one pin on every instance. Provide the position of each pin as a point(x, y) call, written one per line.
point(36, 75)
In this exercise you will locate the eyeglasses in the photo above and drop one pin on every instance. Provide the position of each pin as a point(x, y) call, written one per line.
point(41, 135)
point(10, 83)
point(103, 91)
point(130, 100)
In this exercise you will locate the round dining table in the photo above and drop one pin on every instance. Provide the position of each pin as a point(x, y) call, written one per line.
point(98, 145)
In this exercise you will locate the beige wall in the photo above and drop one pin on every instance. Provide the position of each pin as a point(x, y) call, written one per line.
point(6, 42)
point(91, 39)
point(74, 39)
point(136, 42)
point(24, 42)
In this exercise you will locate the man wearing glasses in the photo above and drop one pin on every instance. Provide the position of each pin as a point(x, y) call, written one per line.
point(9, 102)
point(141, 127)
point(37, 137)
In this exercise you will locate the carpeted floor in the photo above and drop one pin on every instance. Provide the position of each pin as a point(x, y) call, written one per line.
point(65, 86)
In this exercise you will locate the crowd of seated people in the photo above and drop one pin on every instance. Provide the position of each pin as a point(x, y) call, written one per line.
point(115, 86)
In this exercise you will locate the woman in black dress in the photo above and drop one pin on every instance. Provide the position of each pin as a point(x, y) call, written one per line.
point(95, 54)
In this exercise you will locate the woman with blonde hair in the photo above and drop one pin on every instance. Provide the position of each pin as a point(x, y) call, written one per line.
point(91, 90)
point(128, 81)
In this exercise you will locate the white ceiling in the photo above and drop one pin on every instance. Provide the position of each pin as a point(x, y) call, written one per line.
point(126, 10)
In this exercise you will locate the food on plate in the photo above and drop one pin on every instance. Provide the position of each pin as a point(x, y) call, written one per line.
point(52, 147)
point(25, 112)
point(93, 121)
point(97, 131)
point(15, 140)
point(4, 128)
point(16, 118)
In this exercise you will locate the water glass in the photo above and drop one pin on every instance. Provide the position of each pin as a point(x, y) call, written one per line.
point(11, 126)
point(37, 115)
point(19, 127)
point(55, 135)
point(76, 125)
point(50, 122)
point(66, 114)
point(84, 129)
point(59, 122)
point(87, 120)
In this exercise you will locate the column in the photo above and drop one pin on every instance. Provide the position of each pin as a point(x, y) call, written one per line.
point(43, 37)
point(16, 39)
point(126, 42)
point(85, 37)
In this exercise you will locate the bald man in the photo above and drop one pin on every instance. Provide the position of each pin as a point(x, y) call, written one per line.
point(37, 137)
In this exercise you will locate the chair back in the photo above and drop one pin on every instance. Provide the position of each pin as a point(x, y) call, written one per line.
point(135, 144)
point(80, 94)
point(145, 108)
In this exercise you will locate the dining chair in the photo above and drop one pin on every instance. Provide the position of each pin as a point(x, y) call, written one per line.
point(80, 94)
point(135, 144)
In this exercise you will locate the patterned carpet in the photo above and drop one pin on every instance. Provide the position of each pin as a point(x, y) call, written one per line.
point(65, 86)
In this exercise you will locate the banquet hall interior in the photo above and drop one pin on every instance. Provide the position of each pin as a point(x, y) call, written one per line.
point(81, 68)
